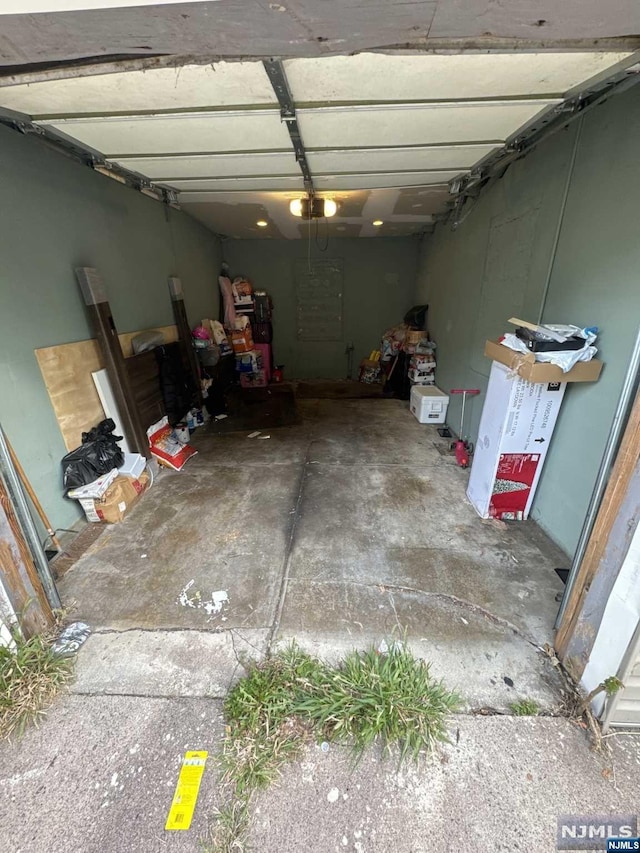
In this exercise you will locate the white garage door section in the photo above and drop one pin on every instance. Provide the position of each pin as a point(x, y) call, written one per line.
point(384, 133)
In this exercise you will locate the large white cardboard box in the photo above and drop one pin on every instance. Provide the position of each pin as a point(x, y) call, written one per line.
point(516, 425)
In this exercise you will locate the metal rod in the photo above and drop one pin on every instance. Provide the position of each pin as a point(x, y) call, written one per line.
point(625, 401)
point(21, 508)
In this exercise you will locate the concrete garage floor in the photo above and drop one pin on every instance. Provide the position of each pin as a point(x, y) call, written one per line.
point(343, 530)
point(339, 531)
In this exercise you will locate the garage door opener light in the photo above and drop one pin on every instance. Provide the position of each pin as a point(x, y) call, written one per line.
point(313, 207)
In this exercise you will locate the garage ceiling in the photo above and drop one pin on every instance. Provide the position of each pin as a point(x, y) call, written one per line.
point(62, 30)
point(384, 133)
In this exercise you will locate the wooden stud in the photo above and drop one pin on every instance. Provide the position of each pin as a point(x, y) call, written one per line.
point(18, 573)
point(627, 460)
point(99, 312)
point(184, 332)
point(26, 484)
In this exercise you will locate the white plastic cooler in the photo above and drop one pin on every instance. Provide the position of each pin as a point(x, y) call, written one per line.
point(429, 404)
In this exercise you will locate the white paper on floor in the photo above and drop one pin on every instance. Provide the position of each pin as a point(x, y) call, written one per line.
point(212, 606)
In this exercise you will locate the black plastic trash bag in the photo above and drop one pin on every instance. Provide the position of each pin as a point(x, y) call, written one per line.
point(97, 455)
point(417, 317)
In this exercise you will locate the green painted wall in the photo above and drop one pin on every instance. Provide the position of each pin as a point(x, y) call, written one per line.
point(56, 215)
point(495, 265)
point(379, 285)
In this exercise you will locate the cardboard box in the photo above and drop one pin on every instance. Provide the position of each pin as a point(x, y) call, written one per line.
point(242, 341)
point(418, 378)
point(95, 489)
point(116, 502)
point(516, 426)
point(253, 380)
point(527, 367)
point(265, 352)
point(413, 337)
point(249, 362)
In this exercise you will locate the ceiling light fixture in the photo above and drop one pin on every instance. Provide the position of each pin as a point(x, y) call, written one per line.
point(330, 207)
point(295, 206)
point(312, 207)
point(262, 223)
point(377, 222)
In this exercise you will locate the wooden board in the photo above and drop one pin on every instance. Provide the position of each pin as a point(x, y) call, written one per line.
point(144, 380)
point(624, 467)
point(66, 370)
point(170, 335)
point(18, 573)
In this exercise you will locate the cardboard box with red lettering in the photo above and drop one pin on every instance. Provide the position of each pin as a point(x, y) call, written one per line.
point(116, 501)
point(516, 426)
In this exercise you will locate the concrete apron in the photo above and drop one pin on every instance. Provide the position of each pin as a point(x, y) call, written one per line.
point(345, 530)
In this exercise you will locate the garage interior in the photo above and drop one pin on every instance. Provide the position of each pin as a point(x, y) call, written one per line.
point(486, 180)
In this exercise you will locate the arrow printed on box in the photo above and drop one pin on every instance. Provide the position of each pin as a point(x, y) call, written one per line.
point(540, 440)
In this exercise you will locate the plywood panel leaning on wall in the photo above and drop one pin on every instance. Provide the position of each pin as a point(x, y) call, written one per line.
point(66, 370)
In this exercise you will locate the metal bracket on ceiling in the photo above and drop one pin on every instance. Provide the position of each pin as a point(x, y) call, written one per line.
point(19, 121)
point(538, 129)
point(280, 85)
point(90, 157)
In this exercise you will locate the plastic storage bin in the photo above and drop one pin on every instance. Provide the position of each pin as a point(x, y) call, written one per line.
point(429, 404)
point(133, 465)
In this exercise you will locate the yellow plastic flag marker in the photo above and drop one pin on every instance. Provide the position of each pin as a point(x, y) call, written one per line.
point(186, 795)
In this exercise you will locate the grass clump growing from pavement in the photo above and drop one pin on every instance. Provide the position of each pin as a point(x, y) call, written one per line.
point(525, 708)
point(292, 698)
point(30, 676)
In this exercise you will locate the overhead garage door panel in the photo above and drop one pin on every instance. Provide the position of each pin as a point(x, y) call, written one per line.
point(225, 84)
point(219, 165)
point(188, 134)
point(377, 77)
point(396, 128)
point(357, 182)
point(452, 157)
point(286, 184)
point(415, 125)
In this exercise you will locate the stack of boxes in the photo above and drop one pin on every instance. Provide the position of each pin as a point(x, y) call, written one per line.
point(422, 364)
point(408, 359)
point(249, 358)
point(422, 368)
point(251, 340)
